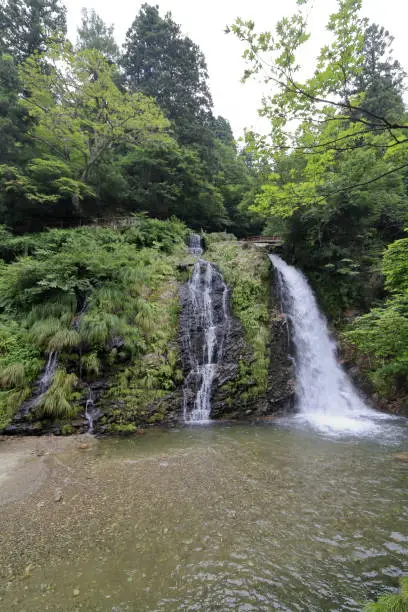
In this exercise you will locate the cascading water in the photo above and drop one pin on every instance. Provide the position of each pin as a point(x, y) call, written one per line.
point(207, 321)
point(325, 395)
point(91, 413)
point(42, 385)
point(49, 372)
point(195, 244)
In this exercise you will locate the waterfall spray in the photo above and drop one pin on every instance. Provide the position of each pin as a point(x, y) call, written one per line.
point(326, 396)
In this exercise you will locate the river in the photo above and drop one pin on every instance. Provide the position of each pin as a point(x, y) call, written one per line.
point(275, 515)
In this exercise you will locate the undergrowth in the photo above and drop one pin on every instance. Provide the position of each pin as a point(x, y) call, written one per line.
point(94, 296)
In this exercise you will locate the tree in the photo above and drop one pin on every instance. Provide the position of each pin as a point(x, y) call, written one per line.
point(337, 152)
point(381, 78)
point(79, 118)
point(170, 180)
point(93, 33)
point(222, 130)
point(331, 98)
point(375, 333)
point(14, 121)
point(160, 62)
point(27, 26)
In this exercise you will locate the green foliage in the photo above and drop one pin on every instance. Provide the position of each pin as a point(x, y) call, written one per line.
point(391, 603)
point(164, 64)
point(20, 364)
point(94, 296)
point(59, 401)
point(147, 381)
point(337, 170)
point(88, 133)
point(91, 364)
point(12, 376)
point(93, 33)
point(28, 26)
point(246, 272)
point(383, 332)
point(126, 428)
point(89, 101)
point(214, 237)
point(395, 266)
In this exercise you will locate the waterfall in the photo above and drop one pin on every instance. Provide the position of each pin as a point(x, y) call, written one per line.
point(42, 385)
point(91, 413)
point(207, 322)
point(326, 397)
point(195, 244)
point(49, 372)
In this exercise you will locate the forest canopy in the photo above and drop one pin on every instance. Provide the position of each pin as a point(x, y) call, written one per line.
point(89, 131)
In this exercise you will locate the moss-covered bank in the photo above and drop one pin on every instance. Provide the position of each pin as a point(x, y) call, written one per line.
point(263, 382)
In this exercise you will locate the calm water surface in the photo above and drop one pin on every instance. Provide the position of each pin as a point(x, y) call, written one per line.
point(254, 517)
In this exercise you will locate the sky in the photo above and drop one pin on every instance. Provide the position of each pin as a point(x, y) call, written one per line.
point(205, 22)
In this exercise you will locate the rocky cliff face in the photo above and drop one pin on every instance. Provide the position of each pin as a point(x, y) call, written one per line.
point(234, 395)
point(231, 397)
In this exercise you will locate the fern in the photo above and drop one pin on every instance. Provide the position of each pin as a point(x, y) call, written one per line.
point(91, 363)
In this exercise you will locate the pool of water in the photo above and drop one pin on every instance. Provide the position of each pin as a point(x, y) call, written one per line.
point(241, 517)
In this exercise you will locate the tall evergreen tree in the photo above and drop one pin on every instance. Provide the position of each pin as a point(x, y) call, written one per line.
point(163, 63)
point(94, 33)
point(381, 77)
point(26, 26)
point(14, 119)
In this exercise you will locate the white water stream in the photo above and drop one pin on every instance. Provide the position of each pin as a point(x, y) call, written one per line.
point(195, 244)
point(208, 300)
point(326, 397)
point(43, 384)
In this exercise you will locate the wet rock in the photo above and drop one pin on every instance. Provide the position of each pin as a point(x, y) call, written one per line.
point(232, 398)
point(401, 457)
point(58, 495)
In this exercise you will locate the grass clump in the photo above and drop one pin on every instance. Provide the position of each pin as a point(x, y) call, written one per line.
point(20, 364)
point(391, 603)
point(59, 402)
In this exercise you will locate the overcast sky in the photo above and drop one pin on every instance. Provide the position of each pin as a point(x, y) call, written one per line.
point(204, 21)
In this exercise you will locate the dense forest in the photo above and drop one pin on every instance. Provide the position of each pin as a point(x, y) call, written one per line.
point(92, 133)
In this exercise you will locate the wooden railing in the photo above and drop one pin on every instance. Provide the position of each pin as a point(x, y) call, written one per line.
point(274, 240)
